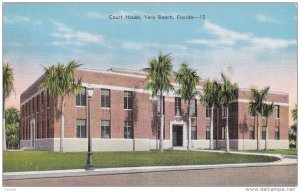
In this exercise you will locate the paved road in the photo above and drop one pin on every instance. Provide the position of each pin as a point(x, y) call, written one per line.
point(248, 176)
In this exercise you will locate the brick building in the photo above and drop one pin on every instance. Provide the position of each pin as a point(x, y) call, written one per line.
point(124, 117)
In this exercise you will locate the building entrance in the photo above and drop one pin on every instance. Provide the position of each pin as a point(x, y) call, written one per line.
point(177, 135)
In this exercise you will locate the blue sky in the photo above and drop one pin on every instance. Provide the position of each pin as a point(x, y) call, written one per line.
point(254, 43)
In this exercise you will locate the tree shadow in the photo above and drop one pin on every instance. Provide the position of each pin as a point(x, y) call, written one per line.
point(244, 128)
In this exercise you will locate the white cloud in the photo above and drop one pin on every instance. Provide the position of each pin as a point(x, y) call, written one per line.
point(263, 18)
point(226, 37)
point(68, 36)
point(95, 14)
point(128, 13)
point(17, 19)
point(141, 46)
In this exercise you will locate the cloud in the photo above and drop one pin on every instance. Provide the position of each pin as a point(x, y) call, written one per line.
point(67, 36)
point(141, 46)
point(17, 19)
point(229, 38)
point(95, 14)
point(263, 18)
point(135, 12)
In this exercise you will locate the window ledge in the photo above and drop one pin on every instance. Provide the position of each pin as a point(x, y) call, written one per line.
point(105, 108)
point(128, 109)
point(79, 106)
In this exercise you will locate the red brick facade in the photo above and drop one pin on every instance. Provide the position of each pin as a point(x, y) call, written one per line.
point(35, 104)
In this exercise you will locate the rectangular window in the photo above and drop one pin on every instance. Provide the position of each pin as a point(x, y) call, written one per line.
point(105, 129)
point(128, 131)
point(127, 100)
point(208, 110)
point(48, 129)
point(177, 106)
point(194, 133)
point(277, 111)
point(277, 133)
point(48, 99)
point(80, 128)
point(38, 103)
point(207, 133)
point(193, 108)
point(81, 98)
point(224, 112)
point(251, 133)
point(263, 133)
point(105, 98)
point(158, 105)
point(33, 105)
point(42, 97)
point(223, 133)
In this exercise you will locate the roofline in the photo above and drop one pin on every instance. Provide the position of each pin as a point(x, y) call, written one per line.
point(272, 92)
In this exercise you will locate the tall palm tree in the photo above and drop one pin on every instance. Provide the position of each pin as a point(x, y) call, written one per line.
point(159, 76)
point(210, 97)
point(267, 110)
point(188, 80)
point(256, 107)
point(228, 95)
point(8, 88)
point(59, 82)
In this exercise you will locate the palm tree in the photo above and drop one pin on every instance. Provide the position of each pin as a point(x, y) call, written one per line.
point(210, 97)
point(59, 82)
point(8, 88)
point(188, 80)
point(228, 95)
point(294, 113)
point(267, 110)
point(159, 76)
point(256, 107)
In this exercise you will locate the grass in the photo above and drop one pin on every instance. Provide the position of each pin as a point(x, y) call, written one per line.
point(292, 151)
point(44, 160)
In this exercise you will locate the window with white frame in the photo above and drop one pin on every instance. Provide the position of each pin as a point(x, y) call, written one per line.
point(207, 133)
point(193, 108)
point(128, 130)
point(277, 111)
point(177, 106)
point(158, 105)
point(251, 133)
point(223, 133)
point(105, 129)
point(264, 133)
point(194, 133)
point(277, 133)
point(127, 100)
point(80, 128)
point(224, 111)
point(81, 98)
point(105, 98)
point(207, 112)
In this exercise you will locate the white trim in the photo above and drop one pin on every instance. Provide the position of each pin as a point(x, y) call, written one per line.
point(267, 102)
point(80, 106)
point(32, 96)
point(115, 73)
point(271, 92)
point(105, 108)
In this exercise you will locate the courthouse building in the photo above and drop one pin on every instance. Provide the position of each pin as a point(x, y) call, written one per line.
point(124, 117)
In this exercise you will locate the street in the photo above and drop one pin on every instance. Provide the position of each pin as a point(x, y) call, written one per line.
point(231, 177)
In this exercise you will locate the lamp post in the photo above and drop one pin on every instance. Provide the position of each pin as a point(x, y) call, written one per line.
point(89, 166)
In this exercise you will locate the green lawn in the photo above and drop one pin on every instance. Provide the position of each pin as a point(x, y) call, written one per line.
point(44, 160)
point(292, 151)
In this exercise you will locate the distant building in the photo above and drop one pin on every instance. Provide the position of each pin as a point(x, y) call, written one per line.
point(125, 117)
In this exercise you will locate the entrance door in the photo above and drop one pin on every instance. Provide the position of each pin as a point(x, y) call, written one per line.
point(177, 135)
point(32, 132)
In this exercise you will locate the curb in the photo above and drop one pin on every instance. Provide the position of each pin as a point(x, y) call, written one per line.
point(130, 170)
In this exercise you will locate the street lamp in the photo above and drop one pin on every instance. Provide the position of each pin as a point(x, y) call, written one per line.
point(89, 166)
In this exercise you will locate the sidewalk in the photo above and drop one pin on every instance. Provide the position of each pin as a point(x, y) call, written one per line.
point(284, 160)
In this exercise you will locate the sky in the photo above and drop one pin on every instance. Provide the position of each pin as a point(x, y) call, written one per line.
point(253, 43)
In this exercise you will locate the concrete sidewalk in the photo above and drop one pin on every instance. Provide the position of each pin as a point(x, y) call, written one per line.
point(127, 170)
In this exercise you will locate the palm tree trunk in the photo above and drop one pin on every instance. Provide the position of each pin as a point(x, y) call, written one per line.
point(3, 125)
point(211, 146)
point(227, 132)
point(161, 139)
point(258, 133)
point(267, 135)
point(62, 125)
point(189, 128)
point(217, 147)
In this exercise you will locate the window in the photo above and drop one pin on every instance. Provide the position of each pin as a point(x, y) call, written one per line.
point(48, 99)
point(127, 100)
point(128, 131)
point(223, 133)
point(81, 98)
point(194, 133)
point(207, 133)
point(193, 108)
point(277, 133)
point(264, 133)
point(105, 129)
point(277, 111)
point(158, 105)
point(43, 97)
point(38, 103)
point(208, 110)
point(80, 128)
point(48, 128)
point(224, 112)
point(251, 115)
point(105, 98)
point(177, 106)
point(251, 133)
